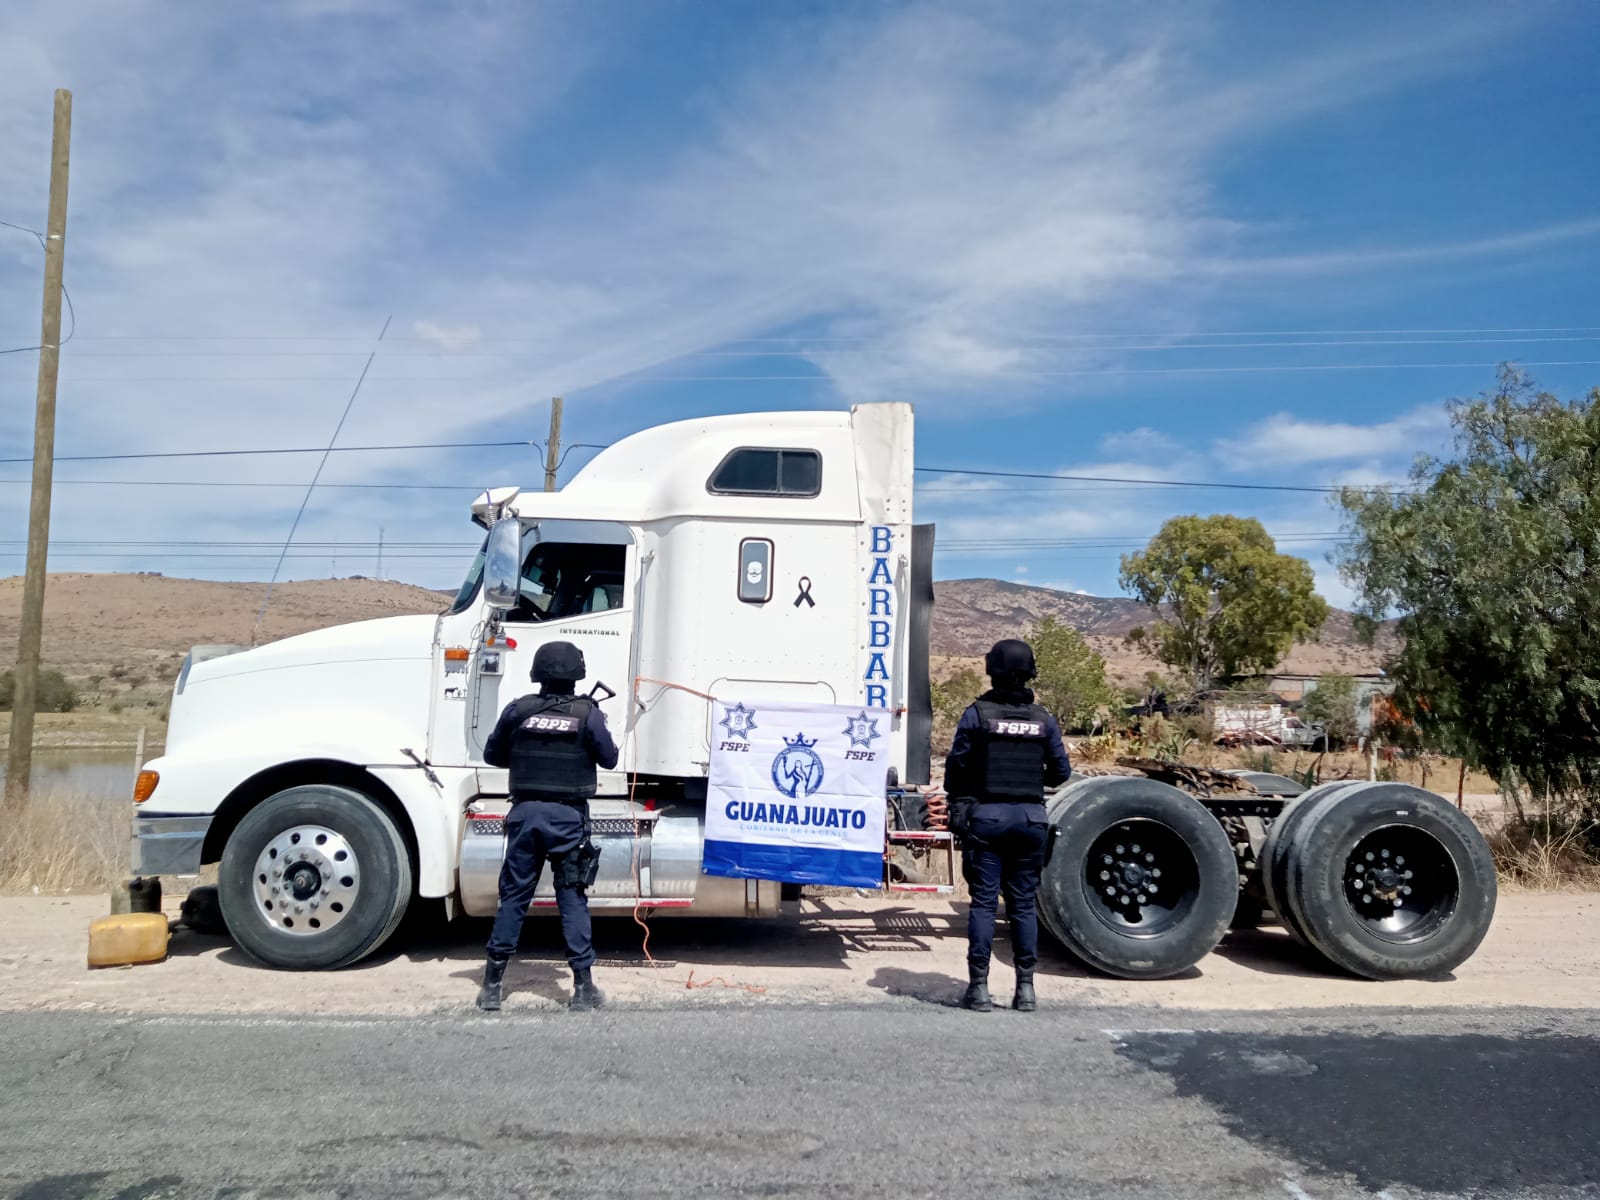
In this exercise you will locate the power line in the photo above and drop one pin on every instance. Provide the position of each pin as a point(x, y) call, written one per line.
point(1322, 489)
point(72, 313)
point(204, 543)
point(228, 483)
point(316, 475)
point(290, 450)
point(634, 377)
point(802, 348)
point(264, 558)
point(1094, 371)
point(1135, 484)
point(1111, 333)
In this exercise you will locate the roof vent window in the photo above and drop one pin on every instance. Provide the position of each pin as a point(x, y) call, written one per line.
point(759, 471)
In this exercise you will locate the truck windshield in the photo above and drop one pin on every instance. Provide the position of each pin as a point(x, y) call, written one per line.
point(470, 585)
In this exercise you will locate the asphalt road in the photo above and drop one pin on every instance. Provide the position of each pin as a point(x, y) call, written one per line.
point(908, 1099)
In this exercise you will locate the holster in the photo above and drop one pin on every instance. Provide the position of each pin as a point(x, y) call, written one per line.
point(1050, 841)
point(578, 868)
point(961, 808)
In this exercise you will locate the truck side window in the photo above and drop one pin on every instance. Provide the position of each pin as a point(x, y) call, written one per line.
point(763, 471)
point(569, 579)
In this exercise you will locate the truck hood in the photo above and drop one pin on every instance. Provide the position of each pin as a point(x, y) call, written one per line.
point(384, 639)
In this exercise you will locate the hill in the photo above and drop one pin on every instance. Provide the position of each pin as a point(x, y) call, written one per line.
point(970, 615)
point(122, 638)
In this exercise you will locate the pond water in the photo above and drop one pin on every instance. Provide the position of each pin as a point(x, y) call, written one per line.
point(106, 774)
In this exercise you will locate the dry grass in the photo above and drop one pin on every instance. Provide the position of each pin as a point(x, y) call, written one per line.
point(65, 842)
point(1531, 858)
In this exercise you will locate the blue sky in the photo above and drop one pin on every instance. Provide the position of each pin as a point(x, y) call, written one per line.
point(1210, 243)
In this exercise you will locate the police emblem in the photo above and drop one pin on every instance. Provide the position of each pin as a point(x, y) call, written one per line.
point(862, 730)
point(739, 721)
point(797, 771)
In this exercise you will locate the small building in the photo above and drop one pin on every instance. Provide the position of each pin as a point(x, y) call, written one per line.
point(1295, 688)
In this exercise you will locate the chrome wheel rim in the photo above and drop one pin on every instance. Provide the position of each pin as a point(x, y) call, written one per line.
point(306, 880)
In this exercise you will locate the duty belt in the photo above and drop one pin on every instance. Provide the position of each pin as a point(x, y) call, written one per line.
point(578, 804)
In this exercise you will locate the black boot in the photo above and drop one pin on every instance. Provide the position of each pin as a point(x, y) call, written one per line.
point(1024, 1000)
point(977, 994)
point(585, 996)
point(489, 994)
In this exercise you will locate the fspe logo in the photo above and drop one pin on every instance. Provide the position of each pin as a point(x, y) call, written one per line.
point(862, 730)
point(880, 612)
point(797, 771)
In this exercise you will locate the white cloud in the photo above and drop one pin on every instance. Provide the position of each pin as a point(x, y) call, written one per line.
point(1143, 440)
point(937, 194)
point(1287, 440)
point(451, 339)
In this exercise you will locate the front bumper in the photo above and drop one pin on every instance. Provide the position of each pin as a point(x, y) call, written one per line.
point(168, 845)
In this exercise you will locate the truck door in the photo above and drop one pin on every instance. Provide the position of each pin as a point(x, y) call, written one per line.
point(577, 586)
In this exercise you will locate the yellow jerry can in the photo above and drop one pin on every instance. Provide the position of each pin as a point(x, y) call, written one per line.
point(125, 938)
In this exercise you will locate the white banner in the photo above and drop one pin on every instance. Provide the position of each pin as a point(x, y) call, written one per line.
point(797, 793)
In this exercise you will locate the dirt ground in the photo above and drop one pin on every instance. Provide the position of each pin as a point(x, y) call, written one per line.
point(1543, 950)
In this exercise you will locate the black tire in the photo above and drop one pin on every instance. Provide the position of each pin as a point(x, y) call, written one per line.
point(1135, 933)
point(1277, 849)
point(295, 827)
point(1392, 882)
point(202, 912)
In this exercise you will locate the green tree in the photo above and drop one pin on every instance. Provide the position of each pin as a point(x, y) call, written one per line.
point(1491, 560)
point(56, 694)
point(1226, 602)
point(950, 700)
point(1334, 706)
point(1072, 677)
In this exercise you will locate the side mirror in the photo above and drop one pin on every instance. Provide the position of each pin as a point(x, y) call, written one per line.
point(502, 564)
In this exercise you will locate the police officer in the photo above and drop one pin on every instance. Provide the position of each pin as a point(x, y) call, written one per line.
point(1005, 752)
point(552, 741)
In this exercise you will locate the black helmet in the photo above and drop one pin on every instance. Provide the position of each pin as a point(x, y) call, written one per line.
point(1010, 657)
point(558, 662)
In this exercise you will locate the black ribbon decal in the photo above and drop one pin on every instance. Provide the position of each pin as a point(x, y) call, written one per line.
point(805, 592)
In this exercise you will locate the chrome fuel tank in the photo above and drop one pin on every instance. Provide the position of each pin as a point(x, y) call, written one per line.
point(651, 859)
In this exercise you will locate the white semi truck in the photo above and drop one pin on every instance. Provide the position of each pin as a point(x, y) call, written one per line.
point(338, 775)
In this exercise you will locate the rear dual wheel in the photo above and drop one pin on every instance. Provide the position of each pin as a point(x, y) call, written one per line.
point(1143, 882)
point(1276, 850)
point(1387, 881)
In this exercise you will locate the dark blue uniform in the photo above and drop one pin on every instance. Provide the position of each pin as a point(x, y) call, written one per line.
point(540, 828)
point(1005, 846)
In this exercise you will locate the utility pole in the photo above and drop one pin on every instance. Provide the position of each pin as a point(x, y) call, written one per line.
point(380, 553)
point(552, 452)
point(19, 762)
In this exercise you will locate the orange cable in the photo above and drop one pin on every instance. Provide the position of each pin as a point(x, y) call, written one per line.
point(638, 887)
point(633, 787)
point(719, 981)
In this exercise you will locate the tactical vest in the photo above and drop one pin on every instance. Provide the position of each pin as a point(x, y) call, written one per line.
point(548, 758)
point(1010, 744)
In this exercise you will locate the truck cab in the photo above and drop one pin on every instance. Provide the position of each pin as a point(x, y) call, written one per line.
point(338, 774)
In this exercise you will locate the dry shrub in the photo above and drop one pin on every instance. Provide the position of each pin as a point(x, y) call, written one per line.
point(1544, 857)
point(1102, 747)
point(65, 841)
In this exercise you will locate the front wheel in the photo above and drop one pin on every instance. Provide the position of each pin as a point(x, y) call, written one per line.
point(313, 877)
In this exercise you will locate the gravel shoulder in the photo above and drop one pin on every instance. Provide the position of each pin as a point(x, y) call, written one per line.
point(1543, 950)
